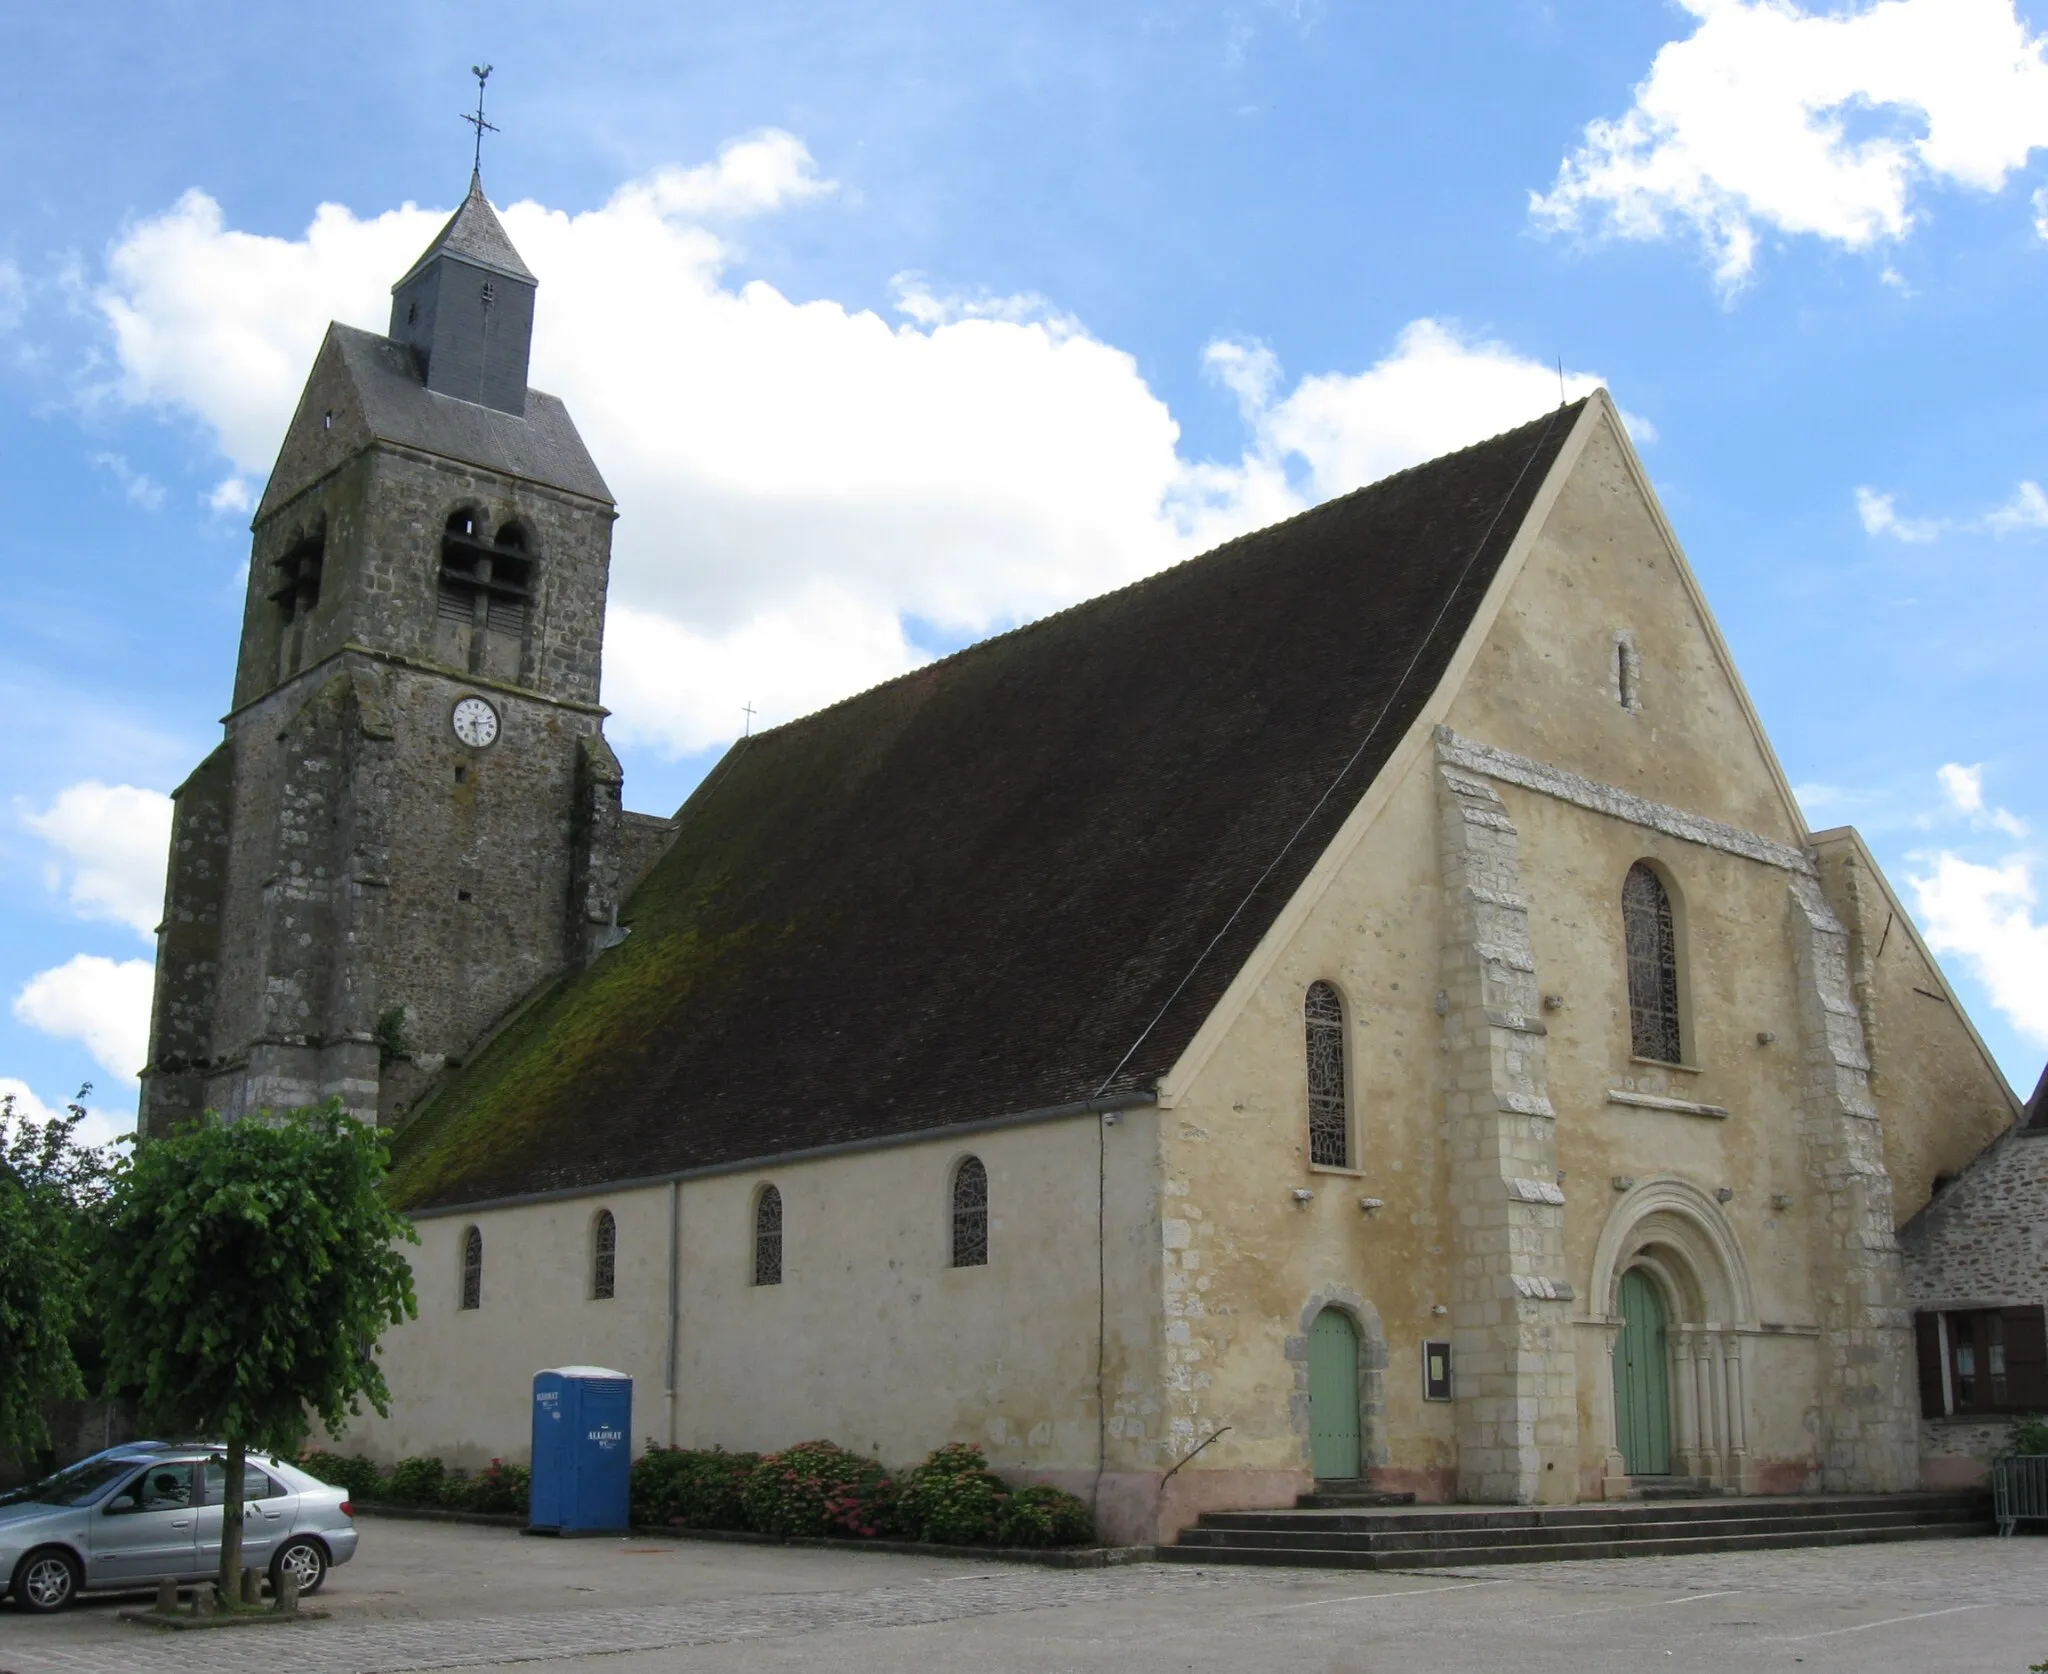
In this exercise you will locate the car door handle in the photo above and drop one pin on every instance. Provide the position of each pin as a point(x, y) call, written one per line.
point(181, 1523)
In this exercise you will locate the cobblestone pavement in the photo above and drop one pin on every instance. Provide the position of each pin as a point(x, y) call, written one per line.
point(436, 1598)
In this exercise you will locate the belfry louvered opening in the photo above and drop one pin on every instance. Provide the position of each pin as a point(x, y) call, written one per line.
point(485, 598)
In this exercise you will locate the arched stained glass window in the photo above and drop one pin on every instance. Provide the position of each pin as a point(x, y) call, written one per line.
point(604, 1260)
point(768, 1237)
point(1329, 1117)
point(1652, 942)
point(473, 1268)
point(970, 1214)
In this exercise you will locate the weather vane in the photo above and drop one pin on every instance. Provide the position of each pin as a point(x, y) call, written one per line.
point(482, 72)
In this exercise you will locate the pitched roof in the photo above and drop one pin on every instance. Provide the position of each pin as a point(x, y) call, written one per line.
point(474, 234)
point(542, 445)
point(975, 890)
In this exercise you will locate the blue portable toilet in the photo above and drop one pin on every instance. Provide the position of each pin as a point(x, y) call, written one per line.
point(582, 1449)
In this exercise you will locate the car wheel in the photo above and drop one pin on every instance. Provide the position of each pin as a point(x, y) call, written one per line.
point(305, 1561)
point(46, 1580)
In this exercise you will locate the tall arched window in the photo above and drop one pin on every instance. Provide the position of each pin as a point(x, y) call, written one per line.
point(1652, 941)
point(604, 1256)
point(970, 1214)
point(768, 1237)
point(473, 1268)
point(1329, 1116)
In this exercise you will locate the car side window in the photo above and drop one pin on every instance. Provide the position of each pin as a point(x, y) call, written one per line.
point(157, 1488)
point(256, 1484)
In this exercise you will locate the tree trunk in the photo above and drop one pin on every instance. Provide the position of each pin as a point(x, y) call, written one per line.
point(231, 1525)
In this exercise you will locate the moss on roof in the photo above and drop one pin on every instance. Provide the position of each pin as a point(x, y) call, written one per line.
point(1016, 878)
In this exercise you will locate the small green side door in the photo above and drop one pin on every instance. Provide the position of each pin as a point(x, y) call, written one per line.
point(1333, 1395)
point(1642, 1379)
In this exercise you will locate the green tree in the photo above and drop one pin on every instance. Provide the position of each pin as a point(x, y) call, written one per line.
point(49, 1185)
point(245, 1272)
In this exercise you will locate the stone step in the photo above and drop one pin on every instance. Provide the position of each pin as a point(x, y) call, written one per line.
point(1334, 1491)
point(1605, 1513)
point(1326, 1538)
point(1324, 1557)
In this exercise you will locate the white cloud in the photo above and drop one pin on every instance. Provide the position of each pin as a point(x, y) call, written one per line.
point(231, 495)
point(797, 479)
point(1880, 516)
point(1964, 789)
point(1985, 916)
point(13, 296)
point(142, 490)
point(100, 1127)
point(2025, 513)
point(1817, 123)
point(113, 842)
point(100, 1002)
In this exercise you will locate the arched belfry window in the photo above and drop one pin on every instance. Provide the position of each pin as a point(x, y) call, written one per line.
point(604, 1256)
point(1329, 1112)
point(295, 590)
point(473, 1268)
point(1651, 936)
point(970, 1213)
point(768, 1237)
point(484, 596)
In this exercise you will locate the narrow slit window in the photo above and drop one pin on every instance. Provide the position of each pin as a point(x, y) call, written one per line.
point(970, 1214)
point(473, 1268)
point(604, 1258)
point(1329, 1124)
point(1651, 938)
point(768, 1237)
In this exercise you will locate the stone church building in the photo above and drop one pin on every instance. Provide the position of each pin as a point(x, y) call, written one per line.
point(1361, 1003)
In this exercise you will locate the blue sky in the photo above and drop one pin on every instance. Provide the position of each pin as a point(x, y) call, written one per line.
point(893, 325)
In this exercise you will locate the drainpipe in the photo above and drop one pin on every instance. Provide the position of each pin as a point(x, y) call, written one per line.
point(675, 1301)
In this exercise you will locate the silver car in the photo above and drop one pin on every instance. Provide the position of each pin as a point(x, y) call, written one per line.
point(138, 1515)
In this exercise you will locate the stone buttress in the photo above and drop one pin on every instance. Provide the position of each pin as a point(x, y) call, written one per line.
point(1514, 1377)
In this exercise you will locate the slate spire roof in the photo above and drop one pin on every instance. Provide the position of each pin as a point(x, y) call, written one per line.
point(1016, 879)
point(474, 234)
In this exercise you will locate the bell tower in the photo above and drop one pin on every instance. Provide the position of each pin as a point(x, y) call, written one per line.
point(413, 819)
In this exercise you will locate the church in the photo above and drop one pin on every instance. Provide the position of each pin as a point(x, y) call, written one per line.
point(1361, 1004)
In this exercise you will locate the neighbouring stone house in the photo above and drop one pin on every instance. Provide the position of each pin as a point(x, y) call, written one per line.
point(1362, 1002)
point(1977, 1276)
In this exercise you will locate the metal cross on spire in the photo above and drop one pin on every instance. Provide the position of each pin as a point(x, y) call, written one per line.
point(482, 72)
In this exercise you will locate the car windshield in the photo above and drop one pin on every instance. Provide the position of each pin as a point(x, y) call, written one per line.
point(80, 1485)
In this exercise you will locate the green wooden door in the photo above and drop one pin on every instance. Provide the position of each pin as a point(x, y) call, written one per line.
point(1333, 1395)
point(1642, 1379)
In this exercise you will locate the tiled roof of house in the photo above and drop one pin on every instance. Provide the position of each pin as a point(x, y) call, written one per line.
point(1017, 878)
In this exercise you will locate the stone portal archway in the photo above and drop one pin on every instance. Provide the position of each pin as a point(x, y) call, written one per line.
point(1671, 1236)
point(1372, 1373)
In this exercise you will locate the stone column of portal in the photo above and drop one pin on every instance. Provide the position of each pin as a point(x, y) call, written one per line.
point(1713, 1442)
point(1514, 1380)
point(1738, 1424)
point(1686, 1449)
point(1869, 1440)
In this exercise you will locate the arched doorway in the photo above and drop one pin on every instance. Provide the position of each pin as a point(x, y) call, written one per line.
point(1333, 1395)
point(1642, 1378)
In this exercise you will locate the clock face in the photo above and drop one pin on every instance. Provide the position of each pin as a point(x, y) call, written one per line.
point(476, 722)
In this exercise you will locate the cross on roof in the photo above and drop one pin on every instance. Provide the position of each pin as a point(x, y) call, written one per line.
point(482, 72)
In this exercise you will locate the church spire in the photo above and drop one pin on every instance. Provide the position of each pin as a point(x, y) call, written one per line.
point(465, 308)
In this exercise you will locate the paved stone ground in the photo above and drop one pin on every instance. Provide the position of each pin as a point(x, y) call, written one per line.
point(426, 1596)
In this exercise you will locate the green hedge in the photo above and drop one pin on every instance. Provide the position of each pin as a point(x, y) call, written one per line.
point(498, 1487)
point(814, 1488)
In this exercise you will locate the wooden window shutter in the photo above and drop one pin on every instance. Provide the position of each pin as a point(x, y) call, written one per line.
point(1927, 1336)
point(2026, 1359)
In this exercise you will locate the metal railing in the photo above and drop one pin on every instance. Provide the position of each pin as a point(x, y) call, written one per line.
point(2019, 1488)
